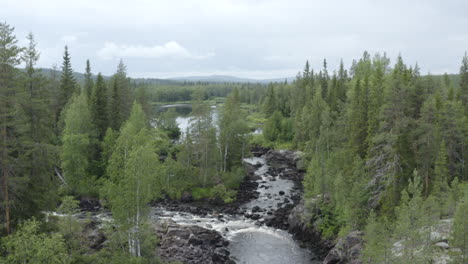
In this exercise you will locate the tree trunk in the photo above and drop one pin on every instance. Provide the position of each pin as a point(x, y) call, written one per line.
point(5, 177)
point(225, 156)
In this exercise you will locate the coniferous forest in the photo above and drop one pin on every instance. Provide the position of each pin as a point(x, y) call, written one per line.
point(97, 169)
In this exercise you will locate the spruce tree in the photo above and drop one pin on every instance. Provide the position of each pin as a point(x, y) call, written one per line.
point(36, 137)
point(99, 107)
point(89, 82)
point(464, 83)
point(324, 78)
point(9, 60)
point(67, 82)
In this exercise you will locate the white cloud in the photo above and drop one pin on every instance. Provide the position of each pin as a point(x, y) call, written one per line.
point(69, 38)
point(171, 49)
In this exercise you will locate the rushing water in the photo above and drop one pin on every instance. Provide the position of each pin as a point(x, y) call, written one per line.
point(250, 241)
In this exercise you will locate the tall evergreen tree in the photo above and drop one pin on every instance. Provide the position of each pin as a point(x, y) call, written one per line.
point(36, 137)
point(120, 98)
point(89, 82)
point(9, 59)
point(99, 107)
point(464, 83)
point(67, 82)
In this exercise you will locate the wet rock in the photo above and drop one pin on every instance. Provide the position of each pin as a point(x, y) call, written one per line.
point(94, 237)
point(347, 250)
point(193, 240)
point(192, 245)
point(255, 217)
point(301, 225)
point(256, 209)
point(258, 151)
point(89, 204)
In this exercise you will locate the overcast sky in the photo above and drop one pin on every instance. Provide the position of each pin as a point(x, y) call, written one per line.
point(245, 38)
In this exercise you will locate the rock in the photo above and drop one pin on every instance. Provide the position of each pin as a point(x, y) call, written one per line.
point(281, 192)
point(220, 255)
point(193, 240)
point(256, 209)
point(258, 151)
point(186, 197)
point(192, 245)
point(255, 217)
point(347, 250)
point(442, 245)
point(301, 225)
point(89, 204)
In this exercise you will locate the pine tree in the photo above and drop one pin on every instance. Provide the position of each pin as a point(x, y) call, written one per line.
point(36, 137)
point(9, 59)
point(89, 82)
point(324, 78)
point(120, 98)
point(409, 223)
point(99, 107)
point(269, 105)
point(67, 82)
point(115, 108)
point(378, 246)
point(464, 83)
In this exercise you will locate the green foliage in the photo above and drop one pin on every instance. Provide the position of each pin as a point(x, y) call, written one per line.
point(134, 180)
point(460, 228)
point(378, 246)
point(68, 225)
point(278, 128)
point(98, 105)
point(167, 122)
point(29, 245)
point(75, 152)
point(67, 81)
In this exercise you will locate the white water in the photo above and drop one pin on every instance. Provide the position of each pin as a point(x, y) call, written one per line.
point(250, 241)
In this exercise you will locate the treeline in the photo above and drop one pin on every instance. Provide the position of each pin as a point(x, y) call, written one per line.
point(385, 144)
point(164, 93)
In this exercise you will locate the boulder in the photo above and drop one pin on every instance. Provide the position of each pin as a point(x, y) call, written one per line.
point(347, 250)
point(191, 244)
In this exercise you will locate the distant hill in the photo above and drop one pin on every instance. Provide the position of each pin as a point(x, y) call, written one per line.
point(228, 79)
point(454, 78)
point(206, 79)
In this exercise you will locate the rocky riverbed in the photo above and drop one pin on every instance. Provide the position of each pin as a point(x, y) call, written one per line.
point(256, 225)
point(257, 228)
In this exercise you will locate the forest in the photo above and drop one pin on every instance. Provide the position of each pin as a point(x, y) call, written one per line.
point(384, 147)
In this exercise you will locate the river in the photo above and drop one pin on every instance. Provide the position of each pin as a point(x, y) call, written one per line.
point(251, 241)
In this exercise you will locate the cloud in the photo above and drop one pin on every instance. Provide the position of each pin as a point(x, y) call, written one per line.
point(171, 49)
point(69, 38)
